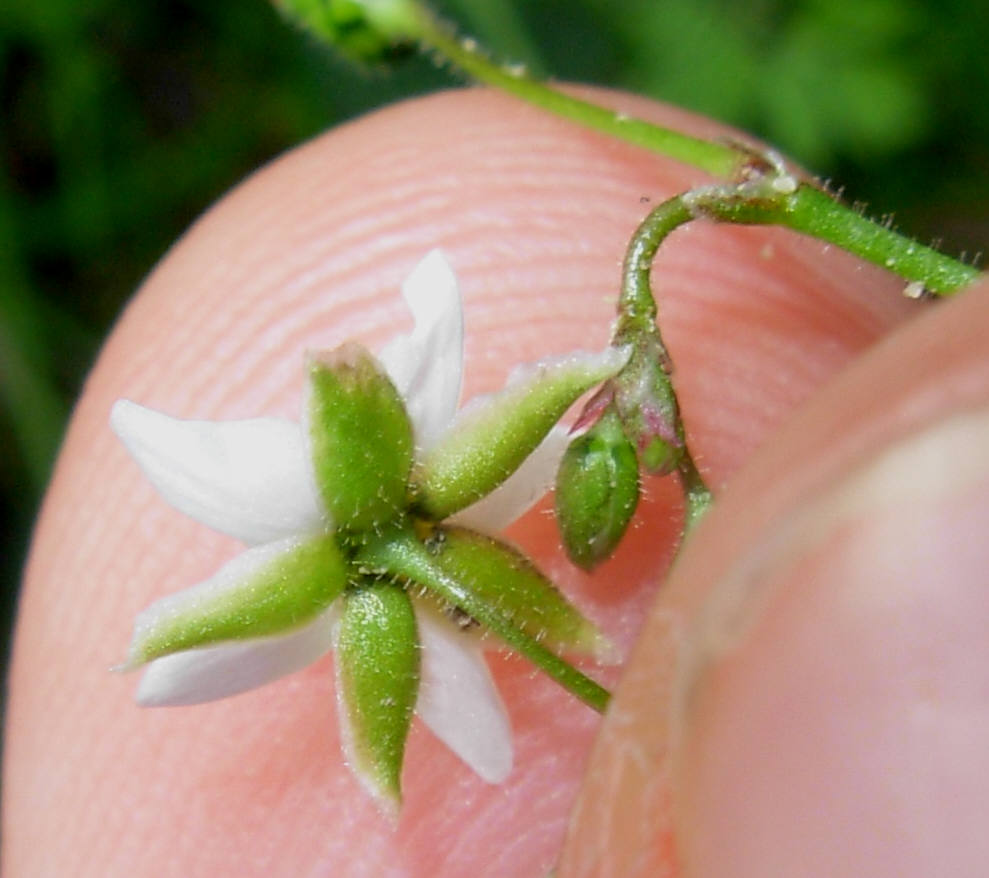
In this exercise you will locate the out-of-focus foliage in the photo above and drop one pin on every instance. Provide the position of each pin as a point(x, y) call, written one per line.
point(823, 79)
point(120, 122)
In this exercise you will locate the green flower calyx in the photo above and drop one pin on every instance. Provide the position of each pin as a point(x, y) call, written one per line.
point(352, 545)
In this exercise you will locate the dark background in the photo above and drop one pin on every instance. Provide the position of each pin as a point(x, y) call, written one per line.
point(121, 121)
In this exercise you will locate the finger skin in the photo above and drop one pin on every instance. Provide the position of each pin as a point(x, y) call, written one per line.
point(808, 695)
point(534, 215)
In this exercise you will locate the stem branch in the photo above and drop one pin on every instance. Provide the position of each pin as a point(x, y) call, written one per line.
point(813, 212)
point(776, 200)
point(717, 159)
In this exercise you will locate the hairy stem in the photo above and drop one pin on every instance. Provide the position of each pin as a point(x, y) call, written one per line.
point(807, 210)
point(636, 305)
point(717, 159)
point(813, 212)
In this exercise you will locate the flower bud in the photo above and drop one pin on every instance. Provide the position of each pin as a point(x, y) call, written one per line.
point(597, 490)
point(647, 406)
point(369, 31)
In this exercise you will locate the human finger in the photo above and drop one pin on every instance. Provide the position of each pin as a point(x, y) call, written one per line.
point(534, 215)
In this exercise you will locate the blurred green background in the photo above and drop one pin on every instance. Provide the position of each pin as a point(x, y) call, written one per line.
point(120, 122)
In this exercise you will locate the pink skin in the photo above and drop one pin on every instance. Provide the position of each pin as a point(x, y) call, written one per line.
point(534, 215)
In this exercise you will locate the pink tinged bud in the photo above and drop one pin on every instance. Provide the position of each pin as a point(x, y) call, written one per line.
point(647, 406)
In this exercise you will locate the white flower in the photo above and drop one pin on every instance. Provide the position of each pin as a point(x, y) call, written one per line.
point(256, 481)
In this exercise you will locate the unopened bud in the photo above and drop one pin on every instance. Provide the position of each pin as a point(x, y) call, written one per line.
point(369, 31)
point(648, 410)
point(597, 490)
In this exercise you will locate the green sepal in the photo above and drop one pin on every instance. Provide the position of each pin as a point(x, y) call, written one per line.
point(400, 553)
point(597, 490)
point(260, 593)
point(490, 440)
point(511, 585)
point(378, 681)
point(360, 438)
point(368, 31)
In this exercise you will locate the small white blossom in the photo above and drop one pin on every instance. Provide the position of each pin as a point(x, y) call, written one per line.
point(254, 479)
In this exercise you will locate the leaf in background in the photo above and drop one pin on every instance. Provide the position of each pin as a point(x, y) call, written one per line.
point(499, 26)
point(27, 392)
point(701, 54)
point(840, 81)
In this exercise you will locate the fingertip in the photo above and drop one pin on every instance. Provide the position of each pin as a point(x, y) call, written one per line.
point(534, 215)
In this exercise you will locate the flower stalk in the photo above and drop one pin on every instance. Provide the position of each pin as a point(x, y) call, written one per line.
point(648, 400)
point(812, 211)
point(367, 523)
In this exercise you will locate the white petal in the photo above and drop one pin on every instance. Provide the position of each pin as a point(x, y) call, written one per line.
point(250, 479)
point(214, 672)
point(427, 365)
point(520, 491)
point(458, 699)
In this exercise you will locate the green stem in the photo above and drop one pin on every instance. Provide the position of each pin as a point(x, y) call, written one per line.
point(805, 208)
point(718, 159)
point(636, 305)
point(808, 210)
point(813, 212)
point(637, 327)
point(401, 554)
